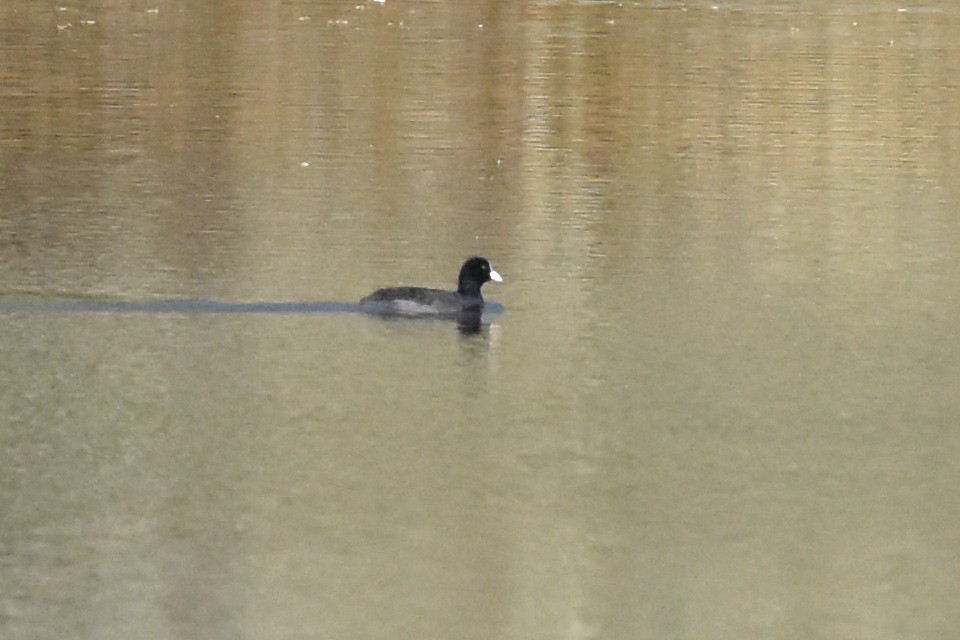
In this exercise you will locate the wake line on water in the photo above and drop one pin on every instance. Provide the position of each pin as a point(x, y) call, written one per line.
point(185, 306)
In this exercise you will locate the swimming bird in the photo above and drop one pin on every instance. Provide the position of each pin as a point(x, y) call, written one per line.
point(421, 301)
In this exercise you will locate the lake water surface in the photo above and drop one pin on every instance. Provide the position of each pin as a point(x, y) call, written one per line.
point(722, 401)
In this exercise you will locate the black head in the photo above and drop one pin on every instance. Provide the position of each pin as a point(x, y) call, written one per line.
point(474, 273)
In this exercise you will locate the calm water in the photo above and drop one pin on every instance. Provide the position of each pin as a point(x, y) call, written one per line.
point(722, 402)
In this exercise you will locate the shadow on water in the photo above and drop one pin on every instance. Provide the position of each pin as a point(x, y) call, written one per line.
point(468, 322)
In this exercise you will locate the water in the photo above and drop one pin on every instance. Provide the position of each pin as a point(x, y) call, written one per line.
point(721, 400)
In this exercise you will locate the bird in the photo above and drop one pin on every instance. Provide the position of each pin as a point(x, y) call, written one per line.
point(422, 301)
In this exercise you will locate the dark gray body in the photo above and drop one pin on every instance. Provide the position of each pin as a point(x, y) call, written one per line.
point(419, 301)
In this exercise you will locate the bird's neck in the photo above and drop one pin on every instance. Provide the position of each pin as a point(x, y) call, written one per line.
point(469, 289)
